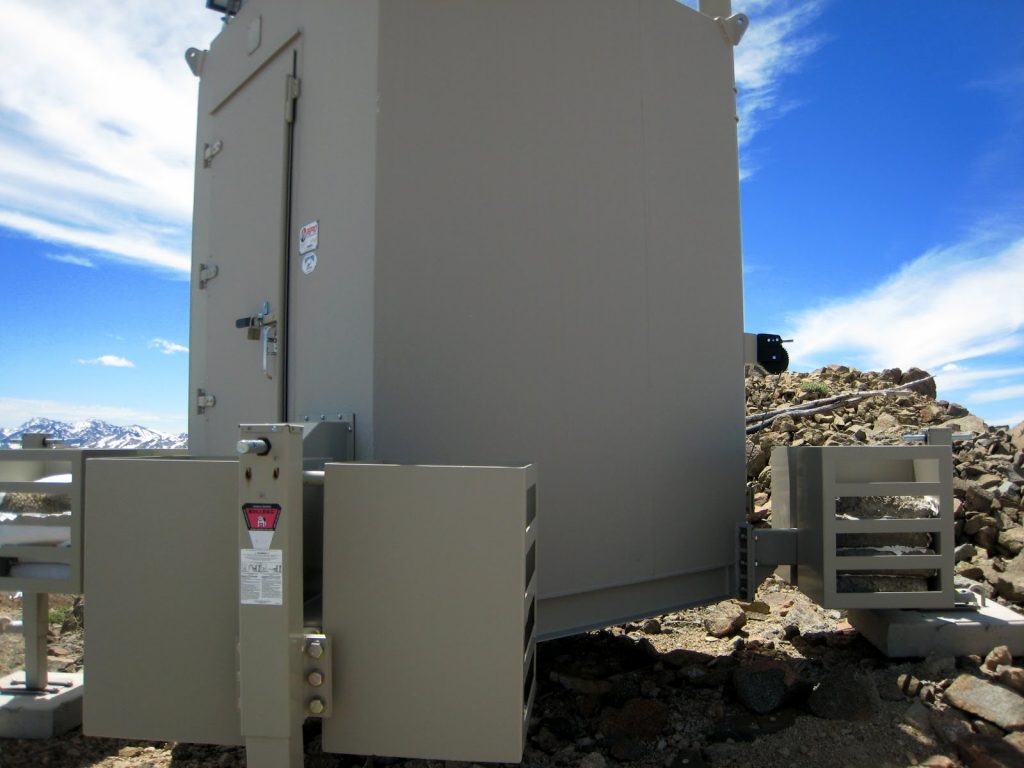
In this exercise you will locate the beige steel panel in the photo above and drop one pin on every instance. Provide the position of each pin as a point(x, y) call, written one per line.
point(240, 211)
point(161, 574)
point(426, 601)
point(529, 252)
point(331, 338)
point(558, 277)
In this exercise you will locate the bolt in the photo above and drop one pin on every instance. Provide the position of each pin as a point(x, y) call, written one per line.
point(315, 678)
point(317, 706)
point(315, 649)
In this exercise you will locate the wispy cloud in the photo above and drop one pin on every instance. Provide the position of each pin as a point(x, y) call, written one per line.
point(999, 393)
point(955, 378)
point(776, 44)
point(167, 347)
point(70, 258)
point(943, 307)
point(97, 129)
point(948, 311)
point(109, 361)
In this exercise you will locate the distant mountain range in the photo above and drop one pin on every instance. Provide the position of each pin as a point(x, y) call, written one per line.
point(93, 434)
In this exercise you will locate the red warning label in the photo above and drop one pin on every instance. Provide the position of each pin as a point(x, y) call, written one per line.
point(261, 517)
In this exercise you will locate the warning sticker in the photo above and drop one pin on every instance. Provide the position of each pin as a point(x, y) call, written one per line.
point(309, 263)
point(261, 520)
point(262, 577)
point(309, 237)
point(261, 517)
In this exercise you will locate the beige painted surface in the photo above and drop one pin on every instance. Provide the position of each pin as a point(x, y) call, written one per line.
point(529, 252)
point(161, 575)
point(239, 225)
point(807, 481)
point(425, 601)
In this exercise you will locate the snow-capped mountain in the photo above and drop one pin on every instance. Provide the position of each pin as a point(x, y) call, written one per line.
point(93, 434)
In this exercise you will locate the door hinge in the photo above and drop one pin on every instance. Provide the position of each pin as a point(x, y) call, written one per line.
point(204, 401)
point(294, 88)
point(210, 151)
point(206, 273)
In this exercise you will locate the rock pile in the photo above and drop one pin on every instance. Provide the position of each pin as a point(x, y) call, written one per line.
point(988, 477)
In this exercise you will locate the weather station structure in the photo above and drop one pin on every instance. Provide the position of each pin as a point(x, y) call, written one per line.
point(467, 355)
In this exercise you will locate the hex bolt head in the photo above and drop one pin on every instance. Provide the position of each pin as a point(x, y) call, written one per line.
point(315, 649)
point(315, 678)
point(317, 706)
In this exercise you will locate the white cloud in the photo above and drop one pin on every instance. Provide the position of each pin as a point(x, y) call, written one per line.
point(16, 411)
point(947, 311)
point(944, 307)
point(97, 129)
point(167, 347)
point(999, 393)
point(953, 377)
point(109, 361)
point(775, 45)
point(136, 247)
point(70, 258)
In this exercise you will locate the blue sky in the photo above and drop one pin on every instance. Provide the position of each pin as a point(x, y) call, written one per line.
point(882, 153)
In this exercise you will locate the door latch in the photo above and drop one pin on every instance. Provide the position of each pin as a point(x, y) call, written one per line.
point(262, 327)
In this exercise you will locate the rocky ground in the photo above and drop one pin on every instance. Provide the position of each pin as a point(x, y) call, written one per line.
point(778, 682)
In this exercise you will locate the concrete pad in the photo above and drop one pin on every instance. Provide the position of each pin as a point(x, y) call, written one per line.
point(40, 715)
point(954, 632)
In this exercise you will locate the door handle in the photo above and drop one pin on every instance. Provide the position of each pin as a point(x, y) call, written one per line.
point(262, 327)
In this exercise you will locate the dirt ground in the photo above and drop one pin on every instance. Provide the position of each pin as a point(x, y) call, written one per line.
point(674, 665)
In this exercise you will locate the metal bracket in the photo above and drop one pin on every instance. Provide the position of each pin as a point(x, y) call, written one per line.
point(328, 438)
point(734, 27)
point(210, 151)
point(758, 552)
point(316, 674)
point(204, 401)
point(972, 597)
point(195, 59)
point(206, 273)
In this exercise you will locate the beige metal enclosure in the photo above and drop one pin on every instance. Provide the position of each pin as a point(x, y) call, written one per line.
point(496, 232)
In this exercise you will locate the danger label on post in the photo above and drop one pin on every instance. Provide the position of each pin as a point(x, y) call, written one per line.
point(261, 517)
point(261, 577)
point(261, 520)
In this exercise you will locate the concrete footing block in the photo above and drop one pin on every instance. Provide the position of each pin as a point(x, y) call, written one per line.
point(955, 632)
point(25, 715)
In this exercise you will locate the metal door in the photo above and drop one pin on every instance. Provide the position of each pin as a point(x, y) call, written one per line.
point(244, 154)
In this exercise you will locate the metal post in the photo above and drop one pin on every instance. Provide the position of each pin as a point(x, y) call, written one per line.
point(270, 642)
point(35, 610)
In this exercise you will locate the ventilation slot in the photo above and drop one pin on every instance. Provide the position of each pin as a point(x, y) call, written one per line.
point(531, 505)
point(530, 617)
point(528, 686)
point(531, 564)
